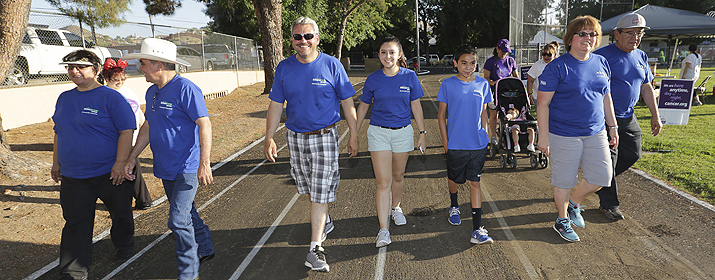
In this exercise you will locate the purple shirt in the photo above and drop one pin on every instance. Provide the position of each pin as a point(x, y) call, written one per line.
point(500, 68)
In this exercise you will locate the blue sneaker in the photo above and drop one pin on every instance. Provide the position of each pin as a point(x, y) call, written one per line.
point(563, 227)
point(454, 218)
point(575, 215)
point(479, 236)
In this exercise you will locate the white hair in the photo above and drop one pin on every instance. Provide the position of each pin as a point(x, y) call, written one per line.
point(305, 21)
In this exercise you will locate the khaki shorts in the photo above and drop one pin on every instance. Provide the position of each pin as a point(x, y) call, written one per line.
point(396, 140)
point(591, 153)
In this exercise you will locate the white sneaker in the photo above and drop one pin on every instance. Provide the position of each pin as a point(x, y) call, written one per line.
point(530, 148)
point(398, 217)
point(383, 238)
point(517, 148)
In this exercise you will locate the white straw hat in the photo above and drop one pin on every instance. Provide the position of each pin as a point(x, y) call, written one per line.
point(159, 50)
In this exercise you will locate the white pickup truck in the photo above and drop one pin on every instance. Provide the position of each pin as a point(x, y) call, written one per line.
point(42, 51)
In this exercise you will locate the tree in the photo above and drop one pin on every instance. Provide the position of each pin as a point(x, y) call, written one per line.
point(96, 13)
point(268, 13)
point(13, 22)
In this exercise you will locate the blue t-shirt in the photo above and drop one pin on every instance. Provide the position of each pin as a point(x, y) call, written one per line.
point(500, 68)
point(465, 101)
point(87, 124)
point(392, 97)
point(629, 71)
point(579, 88)
point(172, 112)
point(313, 91)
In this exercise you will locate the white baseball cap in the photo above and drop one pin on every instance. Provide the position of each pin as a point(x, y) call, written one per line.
point(631, 20)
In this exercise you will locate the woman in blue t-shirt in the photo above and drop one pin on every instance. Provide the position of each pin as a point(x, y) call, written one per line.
point(395, 94)
point(93, 136)
point(500, 65)
point(574, 101)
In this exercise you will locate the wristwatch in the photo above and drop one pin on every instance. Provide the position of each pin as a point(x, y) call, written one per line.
point(423, 132)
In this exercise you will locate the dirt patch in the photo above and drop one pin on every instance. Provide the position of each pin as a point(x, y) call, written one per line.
point(30, 212)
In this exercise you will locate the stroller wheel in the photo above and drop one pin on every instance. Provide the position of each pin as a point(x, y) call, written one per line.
point(534, 161)
point(502, 161)
point(512, 161)
point(544, 161)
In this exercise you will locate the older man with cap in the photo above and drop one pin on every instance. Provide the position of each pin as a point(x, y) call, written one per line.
point(314, 85)
point(179, 130)
point(630, 79)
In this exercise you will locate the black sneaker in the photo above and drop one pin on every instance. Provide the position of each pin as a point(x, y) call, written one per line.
point(123, 255)
point(612, 214)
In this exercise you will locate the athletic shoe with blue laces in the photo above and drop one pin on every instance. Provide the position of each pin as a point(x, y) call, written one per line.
point(563, 227)
point(454, 218)
point(574, 212)
point(479, 236)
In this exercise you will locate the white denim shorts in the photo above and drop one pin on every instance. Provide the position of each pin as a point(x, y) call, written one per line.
point(396, 140)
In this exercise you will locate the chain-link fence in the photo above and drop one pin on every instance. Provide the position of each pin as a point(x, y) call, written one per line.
point(534, 25)
point(51, 36)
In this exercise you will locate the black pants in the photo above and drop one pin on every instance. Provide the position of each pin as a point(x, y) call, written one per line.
point(78, 198)
point(623, 157)
point(141, 193)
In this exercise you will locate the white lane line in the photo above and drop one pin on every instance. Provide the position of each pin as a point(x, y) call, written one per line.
point(137, 255)
point(380, 263)
point(241, 268)
point(671, 188)
point(509, 235)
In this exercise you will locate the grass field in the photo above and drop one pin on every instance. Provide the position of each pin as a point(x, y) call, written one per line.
point(683, 155)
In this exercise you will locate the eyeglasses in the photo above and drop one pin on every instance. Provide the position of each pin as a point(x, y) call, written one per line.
point(307, 36)
point(583, 34)
point(547, 54)
point(118, 80)
point(154, 101)
point(79, 67)
point(633, 33)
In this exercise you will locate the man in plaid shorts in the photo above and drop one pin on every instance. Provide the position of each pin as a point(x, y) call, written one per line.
point(314, 85)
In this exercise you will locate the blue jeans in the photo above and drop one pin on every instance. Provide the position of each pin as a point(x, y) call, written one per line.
point(191, 234)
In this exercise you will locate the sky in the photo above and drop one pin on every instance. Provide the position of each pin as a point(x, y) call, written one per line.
point(190, 15)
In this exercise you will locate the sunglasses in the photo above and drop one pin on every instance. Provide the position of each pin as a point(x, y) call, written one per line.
point(546, 54)
point(307, 36)
point(583, 34)
point(154, 101)
point(634, 34)
point(79, 67)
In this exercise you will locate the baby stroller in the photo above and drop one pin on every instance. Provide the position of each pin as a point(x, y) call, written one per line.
point(510, 93)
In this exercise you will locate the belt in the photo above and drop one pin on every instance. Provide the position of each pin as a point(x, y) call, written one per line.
point(393, 128)
point(324, 130)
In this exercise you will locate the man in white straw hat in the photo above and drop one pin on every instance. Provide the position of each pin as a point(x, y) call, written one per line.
point(179, 130)
point(630, 79)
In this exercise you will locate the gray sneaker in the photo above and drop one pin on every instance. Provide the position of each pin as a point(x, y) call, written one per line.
point(383, 238)
point(316, 260)
point(398, 217)
point(329, 226)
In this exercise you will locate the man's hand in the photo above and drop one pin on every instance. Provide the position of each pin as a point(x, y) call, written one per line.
point(55, 173)
point(353, 145)
point(205, 175)
point(129, 169)
point(270, 150)
point(117, 174)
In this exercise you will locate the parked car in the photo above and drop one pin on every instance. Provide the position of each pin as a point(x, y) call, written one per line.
point(447, 59)
point(220, 55)
point(42, 51)
point(194, 58)
point(433, 59)
point(411, 61)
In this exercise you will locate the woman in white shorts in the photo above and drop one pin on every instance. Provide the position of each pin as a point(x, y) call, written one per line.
point(395, 94)
point(574, 101)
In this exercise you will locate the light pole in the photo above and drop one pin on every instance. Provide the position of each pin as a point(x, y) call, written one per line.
point(417, 27)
